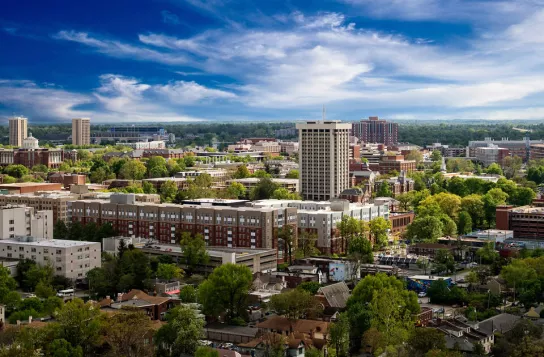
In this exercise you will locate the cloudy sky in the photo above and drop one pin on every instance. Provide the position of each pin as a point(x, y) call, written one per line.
point(229, 60)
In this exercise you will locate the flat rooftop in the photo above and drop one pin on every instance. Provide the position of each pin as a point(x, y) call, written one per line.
point(256, 180)
point(28, 184)
point(428, 277)
point(49, 243)
point(528, 209)
point(212, 251)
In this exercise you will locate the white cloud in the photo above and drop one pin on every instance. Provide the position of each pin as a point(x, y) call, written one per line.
point(322, 58)
point(120, 49)
point(182, 92)
point(476, 11)
point(118, 99)
point(28, 97)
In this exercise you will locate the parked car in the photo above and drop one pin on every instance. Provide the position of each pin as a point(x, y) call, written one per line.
point(422, 294)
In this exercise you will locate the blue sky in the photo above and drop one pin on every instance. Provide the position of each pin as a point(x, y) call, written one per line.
point(229, 60)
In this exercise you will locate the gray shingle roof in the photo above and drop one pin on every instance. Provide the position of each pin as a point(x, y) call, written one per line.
point(336, 294)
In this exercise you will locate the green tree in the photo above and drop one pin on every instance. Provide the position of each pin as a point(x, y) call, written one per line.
point(236, 190)
point(522, 196)
point(415, 155)
point(226, 290)
point(424, 340)
point(126, 331)
point(17, 171)
point(135, 270)
point(284, 194)
point(464, 224)
point(384, 190)
point(181, 333)
point(494, 169)
point(188, 294)
point(307, 244)
point(156, 167)
point(295, 304)
point(149, 188)
point(7, 284)
point(168, 191)
point(169, 271)
point(100, 282)
point(425, 229)
point(444, 262)
point(310, 286)
point(194, 250)
point(62, 348)
point(511, 166)
point(339, 335)
point(44, 290)
point(204, 351)
point(288, 237)
point(436, 156)
point(263, 190)
point(487, 253)
point(379, 227)
point(292, 174)
point(241, 172)
point(80, 324)
point(262, 174)
point(491, 200)
point(474, 206)
point(133, 170)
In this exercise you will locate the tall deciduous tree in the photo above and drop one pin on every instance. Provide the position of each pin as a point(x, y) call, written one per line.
point(169, 271)
point(194, 250)
point(425, 229)
point(126, 334)
point(379, 227)
point(226, 290)
point(133, 170)
point(295, 304)
point(181, 333)
point(339, 335)
point(80, 324)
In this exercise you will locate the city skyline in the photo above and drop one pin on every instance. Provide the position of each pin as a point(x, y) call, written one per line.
point(194, 60)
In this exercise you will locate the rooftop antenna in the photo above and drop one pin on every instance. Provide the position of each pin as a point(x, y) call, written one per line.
point(324, 112)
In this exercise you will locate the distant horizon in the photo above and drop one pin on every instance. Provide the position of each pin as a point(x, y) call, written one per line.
point(242, 61)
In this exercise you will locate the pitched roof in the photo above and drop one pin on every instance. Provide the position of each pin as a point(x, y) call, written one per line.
point(136, 294)
point(502, 323)
point(284, 324)
point(336, 294)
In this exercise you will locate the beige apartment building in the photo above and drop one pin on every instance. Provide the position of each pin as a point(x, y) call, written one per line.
point(81, 131)
point(71, 259)
point(18, 131)
point(323, 159)
point(24, 221)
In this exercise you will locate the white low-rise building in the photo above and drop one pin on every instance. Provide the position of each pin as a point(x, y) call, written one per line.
point(71, 259)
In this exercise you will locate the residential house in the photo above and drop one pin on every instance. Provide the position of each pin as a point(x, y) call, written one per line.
point(154, 306)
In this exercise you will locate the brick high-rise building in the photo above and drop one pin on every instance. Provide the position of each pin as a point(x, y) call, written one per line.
point(375, 130)
point(17, 130)
point(323, 159)
point(81, 131)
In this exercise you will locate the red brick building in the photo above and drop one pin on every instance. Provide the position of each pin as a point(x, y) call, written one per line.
point(51, 158)
point(397, 163)
point(400, 221)
point(232, 227)
point(67, 179)
point(525, 221)
point(375, 130)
